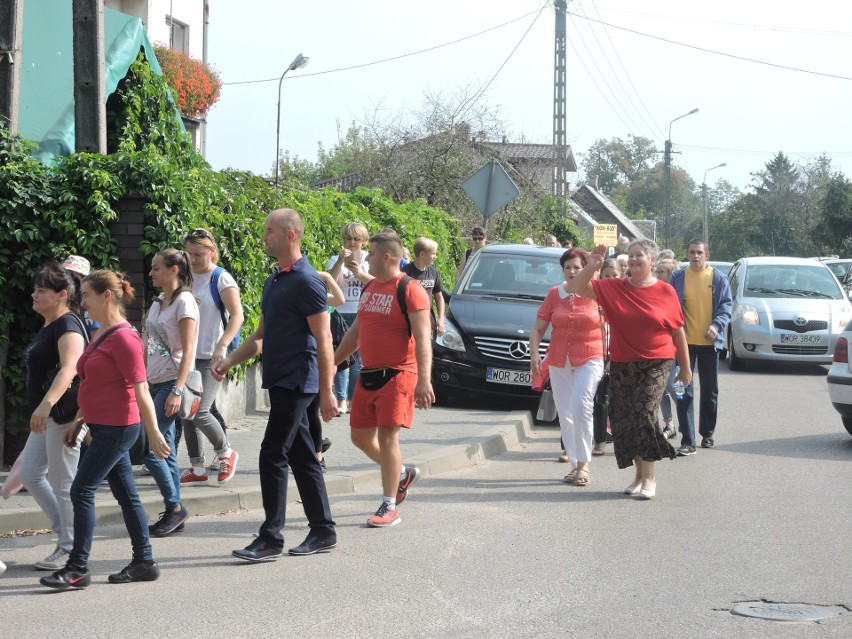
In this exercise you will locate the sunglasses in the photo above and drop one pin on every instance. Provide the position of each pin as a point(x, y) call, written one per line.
point(479, 237)
point(199, 234)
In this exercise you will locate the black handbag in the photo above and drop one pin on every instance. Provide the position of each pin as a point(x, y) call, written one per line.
point(338, 330)
point(65, 408)
point(601, 407)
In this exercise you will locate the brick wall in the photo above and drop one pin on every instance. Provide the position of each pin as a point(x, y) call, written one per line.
point(128, 231)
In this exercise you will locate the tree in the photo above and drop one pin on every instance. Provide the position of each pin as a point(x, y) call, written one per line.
point(833, 230)
point(616, 162)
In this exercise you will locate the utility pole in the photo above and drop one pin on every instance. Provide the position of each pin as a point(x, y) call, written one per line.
point(560, 184)
point(11, 29)
point(89, 92)
point(667, 191)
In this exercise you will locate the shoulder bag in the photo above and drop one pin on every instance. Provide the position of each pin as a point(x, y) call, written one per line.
point(190, 399)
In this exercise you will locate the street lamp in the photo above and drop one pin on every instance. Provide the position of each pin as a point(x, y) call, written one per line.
point(704, 197)
point(667, 180)
point(298, 62)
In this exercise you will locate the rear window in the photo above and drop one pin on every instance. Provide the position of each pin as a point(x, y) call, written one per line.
point(513, 275)
point(786, 280)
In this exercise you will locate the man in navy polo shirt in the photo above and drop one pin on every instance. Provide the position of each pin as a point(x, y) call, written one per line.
point(298, 363)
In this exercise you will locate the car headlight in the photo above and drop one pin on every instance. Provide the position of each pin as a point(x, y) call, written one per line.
point(451, 338)
point(749, 315)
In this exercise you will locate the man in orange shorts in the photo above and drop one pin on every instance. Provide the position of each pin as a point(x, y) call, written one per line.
point(396, 351)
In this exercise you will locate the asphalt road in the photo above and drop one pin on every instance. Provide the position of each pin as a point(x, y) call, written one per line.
point(505, 549)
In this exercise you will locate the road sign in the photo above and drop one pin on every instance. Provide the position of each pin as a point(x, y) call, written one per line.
point(490, 188)
point(606, 234)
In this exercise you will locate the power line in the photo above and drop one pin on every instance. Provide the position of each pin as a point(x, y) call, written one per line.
point(722, 53)
point(477, 95)
point(391, 59)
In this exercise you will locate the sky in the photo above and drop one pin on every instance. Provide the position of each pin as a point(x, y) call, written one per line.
point(628, 72)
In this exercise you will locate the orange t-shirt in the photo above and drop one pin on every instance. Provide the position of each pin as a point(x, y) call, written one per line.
point(384, 340)
point(576, 335)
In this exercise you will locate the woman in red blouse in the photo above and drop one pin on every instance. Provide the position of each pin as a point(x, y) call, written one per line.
point(646, 325)
point(575, 357)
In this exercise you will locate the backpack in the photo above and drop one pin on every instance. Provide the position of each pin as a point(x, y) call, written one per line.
point(217, 299)
point(400, 297)
point(338, 330)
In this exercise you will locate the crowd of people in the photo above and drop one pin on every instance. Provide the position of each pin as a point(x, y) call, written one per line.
point(606, 315)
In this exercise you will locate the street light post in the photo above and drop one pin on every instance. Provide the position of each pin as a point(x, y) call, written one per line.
point(298, 62)
point(667, 180)
point(704, 197)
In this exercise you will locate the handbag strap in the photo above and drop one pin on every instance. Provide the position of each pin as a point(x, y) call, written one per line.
point(604, 337)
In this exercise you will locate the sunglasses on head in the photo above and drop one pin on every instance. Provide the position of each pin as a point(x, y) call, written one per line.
point(199, 233)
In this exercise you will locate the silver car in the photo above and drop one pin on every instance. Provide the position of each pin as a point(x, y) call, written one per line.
point(785, 309)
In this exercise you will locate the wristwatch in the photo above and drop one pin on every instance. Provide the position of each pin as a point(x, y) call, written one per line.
point(177, 391)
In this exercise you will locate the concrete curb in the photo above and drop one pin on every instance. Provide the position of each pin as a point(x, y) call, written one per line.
point(499, 438)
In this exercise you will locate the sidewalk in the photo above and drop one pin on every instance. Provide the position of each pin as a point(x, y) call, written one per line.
point(442, 440)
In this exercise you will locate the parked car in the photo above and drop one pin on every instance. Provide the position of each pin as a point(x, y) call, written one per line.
point(838, 266)
point(840, 379)
point(485, 348)
point(785, 309)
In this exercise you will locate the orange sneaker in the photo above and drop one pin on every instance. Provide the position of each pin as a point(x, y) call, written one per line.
point(384, 517)
point(228, 466)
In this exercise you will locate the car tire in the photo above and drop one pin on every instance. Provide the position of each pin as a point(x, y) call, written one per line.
point(734, 362)
point(847, 424)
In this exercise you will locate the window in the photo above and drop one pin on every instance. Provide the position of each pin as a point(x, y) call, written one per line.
point(178, 35)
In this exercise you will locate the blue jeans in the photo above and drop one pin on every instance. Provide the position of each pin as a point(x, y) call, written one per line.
point(669, 396)
point(286, 445)
point(165, 471)
point(345, 381)
point(707, 359)
point(107, 457)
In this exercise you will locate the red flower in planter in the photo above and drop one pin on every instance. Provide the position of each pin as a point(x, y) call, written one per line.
point(195, 86)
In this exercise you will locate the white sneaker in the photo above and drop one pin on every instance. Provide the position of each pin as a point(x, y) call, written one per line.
point(2, 567)
point(54, 561)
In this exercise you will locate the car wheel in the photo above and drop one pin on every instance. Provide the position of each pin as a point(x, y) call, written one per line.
point(847, 423)
point(734, 362)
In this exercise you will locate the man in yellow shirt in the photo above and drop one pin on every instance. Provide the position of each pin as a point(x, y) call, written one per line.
point(705, 296)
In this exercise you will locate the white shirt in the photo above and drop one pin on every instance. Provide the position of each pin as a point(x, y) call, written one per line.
point(210, 327)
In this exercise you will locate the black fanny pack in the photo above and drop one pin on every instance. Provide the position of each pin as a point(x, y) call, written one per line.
point(374, 378)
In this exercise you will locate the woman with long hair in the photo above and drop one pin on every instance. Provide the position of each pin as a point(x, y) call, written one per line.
point(219, 323)
point(575, 356)
point(47, 466)
point(647, 333)
point(171, 334)
point(113, 400)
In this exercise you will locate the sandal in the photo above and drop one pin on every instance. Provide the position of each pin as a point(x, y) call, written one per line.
point(581, 477)
point(563, 458)
point(569, 478)
point(599, 450)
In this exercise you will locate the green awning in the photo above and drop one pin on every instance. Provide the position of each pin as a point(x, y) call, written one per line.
point(47, 73)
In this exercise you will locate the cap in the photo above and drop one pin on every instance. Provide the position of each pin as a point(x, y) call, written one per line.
point(77, 264)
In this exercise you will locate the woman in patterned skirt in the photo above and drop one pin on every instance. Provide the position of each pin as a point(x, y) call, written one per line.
point(646, 325)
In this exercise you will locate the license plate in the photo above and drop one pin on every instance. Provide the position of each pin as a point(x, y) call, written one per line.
point(795, 338)
point(505, 376)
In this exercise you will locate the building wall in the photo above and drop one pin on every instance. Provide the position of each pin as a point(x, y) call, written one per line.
point(154, 14)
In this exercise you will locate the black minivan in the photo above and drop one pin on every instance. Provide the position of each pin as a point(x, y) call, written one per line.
point(485, 348)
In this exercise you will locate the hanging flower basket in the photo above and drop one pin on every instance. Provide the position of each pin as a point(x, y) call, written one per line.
point(195, 86)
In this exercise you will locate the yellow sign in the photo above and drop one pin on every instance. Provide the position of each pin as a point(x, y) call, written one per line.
point(606, 234)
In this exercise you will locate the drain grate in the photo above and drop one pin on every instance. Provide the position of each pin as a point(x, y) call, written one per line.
point(785, 611)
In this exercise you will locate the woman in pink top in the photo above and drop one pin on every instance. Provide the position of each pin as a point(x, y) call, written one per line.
point(113, 400)
point(576, 363)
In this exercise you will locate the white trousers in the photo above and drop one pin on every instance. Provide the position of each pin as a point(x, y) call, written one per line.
point(574, 395)
point(48, 468)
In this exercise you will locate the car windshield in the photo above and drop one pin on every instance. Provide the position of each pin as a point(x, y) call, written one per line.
point(503, 275)
point(791, 280)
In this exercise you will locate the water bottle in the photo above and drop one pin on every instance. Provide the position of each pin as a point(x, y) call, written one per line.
point(678, 385)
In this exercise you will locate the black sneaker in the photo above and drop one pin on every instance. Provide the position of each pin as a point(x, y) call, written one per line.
point(683, 451)
point(326, 444)
point(70, 576)
point(169, 522)
point(707, 442)
point(258, 550)
point(411, 475)
point(136, 570)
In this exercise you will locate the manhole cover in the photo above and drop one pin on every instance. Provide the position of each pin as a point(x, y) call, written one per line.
point(784, 611)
